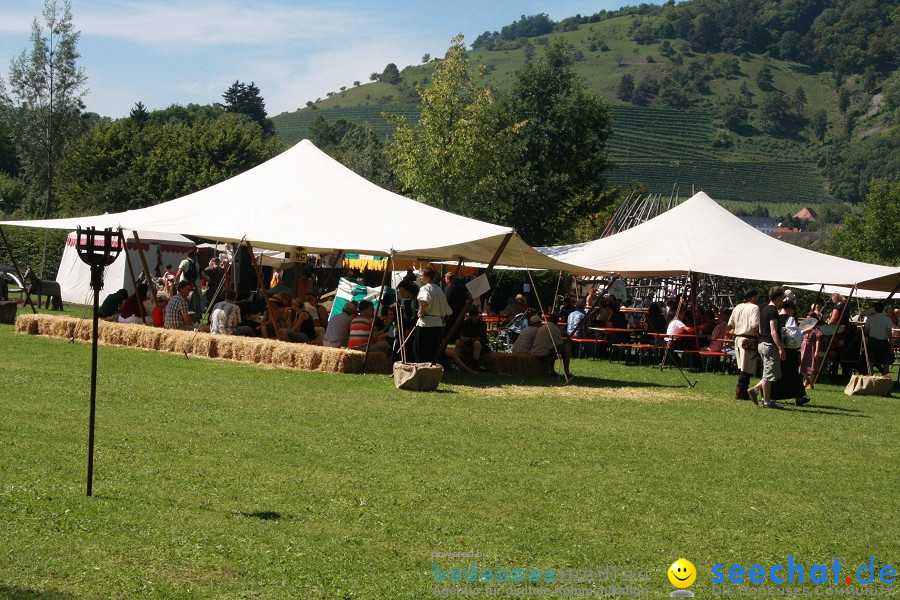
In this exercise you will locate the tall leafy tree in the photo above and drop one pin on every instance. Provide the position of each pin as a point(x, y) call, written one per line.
point(873, 235)
point(454, 157)
point(559, 178)
point(246, 99)
point(43, 100)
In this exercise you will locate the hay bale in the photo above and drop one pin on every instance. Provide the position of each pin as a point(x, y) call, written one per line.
point(27, 324)
point(283, 355)
point(307, 357)
point(514, 364)
point(333, 360)
point(148, 338)
point(204, 346)
point(225, 346)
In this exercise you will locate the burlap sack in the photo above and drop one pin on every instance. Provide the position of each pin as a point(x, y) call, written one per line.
point(869, 385)
point(418, 377)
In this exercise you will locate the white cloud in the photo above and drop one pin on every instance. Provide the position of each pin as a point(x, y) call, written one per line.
point(206, 23)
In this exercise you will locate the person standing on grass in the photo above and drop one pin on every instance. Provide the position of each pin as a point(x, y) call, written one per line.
point(771, 348)
point(433, 307)
point(744, 325)
point(878, 336)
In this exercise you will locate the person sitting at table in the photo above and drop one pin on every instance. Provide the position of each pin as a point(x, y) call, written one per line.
point(677, 327)
point(548, 343)
point(515, 306)
point(653, 323)
point(576, 324)
point(525, 340)
point(718, 337)
point(616, 320)
point(338, 331)
point(566, 307)
point(361, 331)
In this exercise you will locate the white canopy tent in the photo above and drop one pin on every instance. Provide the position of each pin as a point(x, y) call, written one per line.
point(304, 200)
point(160, 249)
point(699, 236)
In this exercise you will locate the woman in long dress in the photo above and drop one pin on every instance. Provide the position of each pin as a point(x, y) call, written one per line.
point(809, 351)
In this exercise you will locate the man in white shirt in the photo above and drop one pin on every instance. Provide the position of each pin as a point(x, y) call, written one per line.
point(744, 323)
point(878, 336)
point(225, 316)
point(433, 307)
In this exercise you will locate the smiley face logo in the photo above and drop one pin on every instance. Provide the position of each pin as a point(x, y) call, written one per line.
point(682, 573)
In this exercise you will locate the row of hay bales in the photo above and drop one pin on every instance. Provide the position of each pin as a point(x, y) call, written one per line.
point(226, 347)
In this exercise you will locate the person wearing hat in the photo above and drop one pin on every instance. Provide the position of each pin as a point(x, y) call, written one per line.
point(525, 340)
point(744, 326)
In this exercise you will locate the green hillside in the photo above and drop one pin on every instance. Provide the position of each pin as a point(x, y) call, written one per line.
point(660, 148)
point(677, 137)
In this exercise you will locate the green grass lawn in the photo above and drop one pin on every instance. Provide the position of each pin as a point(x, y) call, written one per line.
point(222, 480)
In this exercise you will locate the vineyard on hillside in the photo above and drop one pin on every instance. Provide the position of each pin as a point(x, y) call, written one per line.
point(658, 147)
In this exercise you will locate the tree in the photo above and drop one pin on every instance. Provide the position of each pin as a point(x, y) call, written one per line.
point(819, 123)
point(139, 115)
point(626, 88)
point(645, 91)
point(799, 100)
point(391, 74)
point(44, 99)
point(116, 167)
point(764, 79)
point(774, 112)
point(426, 58)
point(873, 236)
point(559, 179)
point(246, 99)
point(375, 76)
point(454, 157)
point(734, 115)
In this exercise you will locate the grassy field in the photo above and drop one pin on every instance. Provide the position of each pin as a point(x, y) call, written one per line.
point(221, 480)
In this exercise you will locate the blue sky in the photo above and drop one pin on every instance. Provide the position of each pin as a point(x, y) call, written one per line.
point(164, 51)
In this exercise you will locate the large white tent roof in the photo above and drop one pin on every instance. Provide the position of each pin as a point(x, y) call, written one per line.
point(303, 198)
point(700, 236)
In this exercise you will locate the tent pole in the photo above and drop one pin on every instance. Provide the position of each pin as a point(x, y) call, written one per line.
point(19, 271)
point(262, 288)
point(140, 249)
point(834, 335)
point(334, 263)
point(387, 269)
point(694, 305)
point(462, 313)
point(134, 281)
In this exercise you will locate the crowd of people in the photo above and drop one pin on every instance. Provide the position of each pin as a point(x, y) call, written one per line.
point(425, 322)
